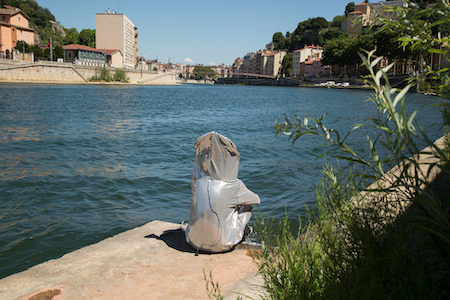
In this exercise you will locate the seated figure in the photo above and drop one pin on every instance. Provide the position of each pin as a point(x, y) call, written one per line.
point(221, 204)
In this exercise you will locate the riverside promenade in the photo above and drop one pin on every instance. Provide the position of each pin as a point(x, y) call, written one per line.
point(149, 262)
point(46, 72)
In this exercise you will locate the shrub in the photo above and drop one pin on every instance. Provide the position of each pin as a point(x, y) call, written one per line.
point(390, 241)
point(120, 75)
point(105, 75)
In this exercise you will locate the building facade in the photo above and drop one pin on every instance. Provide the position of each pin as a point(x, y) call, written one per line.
point(14, 27)
point(313, 68)
point(273, 63)
point(366, 13)
point(302, 55)
point(248, 63)
point(116, 31)
point(84, 55)
point(114, 58)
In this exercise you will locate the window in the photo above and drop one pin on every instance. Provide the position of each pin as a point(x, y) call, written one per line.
point(19, 18)
point(3, 17)
point(70, 55)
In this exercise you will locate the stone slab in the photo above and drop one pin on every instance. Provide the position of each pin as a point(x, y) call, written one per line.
point(149, 262)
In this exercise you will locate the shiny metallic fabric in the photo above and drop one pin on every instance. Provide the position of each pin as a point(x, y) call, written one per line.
point(221, 204)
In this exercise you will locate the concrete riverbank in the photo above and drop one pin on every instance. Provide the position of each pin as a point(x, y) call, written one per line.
point(149, 262)
point(67, 73)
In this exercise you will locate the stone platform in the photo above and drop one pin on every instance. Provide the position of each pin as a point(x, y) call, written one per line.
point(149, 262)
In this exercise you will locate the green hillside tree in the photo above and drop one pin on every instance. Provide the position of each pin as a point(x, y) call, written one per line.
point(202, 72)
point(337, 21)
point(58, 52)
point(278, 41)
point(329, 34)
point(349, 8)
point(286, 65)
point(87, 37)
point(71, 36)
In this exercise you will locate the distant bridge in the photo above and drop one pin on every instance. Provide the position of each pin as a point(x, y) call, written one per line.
point(251, 75)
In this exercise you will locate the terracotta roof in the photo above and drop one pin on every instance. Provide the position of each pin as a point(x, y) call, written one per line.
point(310, 47)
point(80, 47)
point(111, 51)
point(9, 10)
point(87, 48)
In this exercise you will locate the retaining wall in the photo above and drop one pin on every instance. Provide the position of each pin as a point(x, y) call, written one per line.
point(53, 72)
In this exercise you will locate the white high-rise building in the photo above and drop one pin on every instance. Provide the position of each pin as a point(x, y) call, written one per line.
point(116, 31)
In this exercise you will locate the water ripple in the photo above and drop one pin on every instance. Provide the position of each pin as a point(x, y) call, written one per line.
point(82, 163)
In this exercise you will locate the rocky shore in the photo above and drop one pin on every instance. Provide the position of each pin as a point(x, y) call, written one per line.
point(149, 262)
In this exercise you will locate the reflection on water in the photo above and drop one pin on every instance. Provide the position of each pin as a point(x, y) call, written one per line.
point(81, 163)
point(17, 134)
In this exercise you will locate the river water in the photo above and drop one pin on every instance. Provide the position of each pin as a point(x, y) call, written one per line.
point(79, 163)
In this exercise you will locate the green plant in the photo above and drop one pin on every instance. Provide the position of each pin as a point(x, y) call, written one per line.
point(120, 75)
point(105, 75)
point(385, 240)
point(381, 226)
point(212, 289)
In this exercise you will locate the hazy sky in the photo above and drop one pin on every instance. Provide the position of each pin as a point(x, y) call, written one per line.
point(197, 31)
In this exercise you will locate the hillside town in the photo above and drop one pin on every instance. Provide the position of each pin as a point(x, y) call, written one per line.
point(116, 50)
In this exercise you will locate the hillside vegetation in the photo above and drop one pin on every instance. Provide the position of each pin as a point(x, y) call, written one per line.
point(44, 24)
point(341, 48)
point(40, 19)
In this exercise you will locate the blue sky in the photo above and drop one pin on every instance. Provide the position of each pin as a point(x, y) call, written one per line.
point(197, 31)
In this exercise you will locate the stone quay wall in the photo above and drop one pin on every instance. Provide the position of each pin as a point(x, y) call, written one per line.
point(54, 72)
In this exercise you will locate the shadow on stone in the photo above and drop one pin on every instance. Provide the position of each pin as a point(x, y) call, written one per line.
point(47, 295)
point(175, 239)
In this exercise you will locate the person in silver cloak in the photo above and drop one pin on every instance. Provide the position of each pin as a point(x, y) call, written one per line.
point(221, 204)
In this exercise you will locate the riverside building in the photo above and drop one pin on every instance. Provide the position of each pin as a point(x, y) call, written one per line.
point(14, 27)
point(116, 31)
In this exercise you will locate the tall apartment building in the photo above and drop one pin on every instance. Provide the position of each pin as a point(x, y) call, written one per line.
point(248, 62)
point(116, 31)
point(274, 63)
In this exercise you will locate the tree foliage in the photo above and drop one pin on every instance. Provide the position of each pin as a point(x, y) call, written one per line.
point(120, 75)
point(389, 239)
point(87, 37)
point(38, 15)
point(39, 54)
point(329, 34)
point(71, 36)
point(40, 20)
point(201, 72)
point(419, 23)
point(286, 65)
point(349, 8)
point(278, 41)
point(58, 52)
point(337, 21)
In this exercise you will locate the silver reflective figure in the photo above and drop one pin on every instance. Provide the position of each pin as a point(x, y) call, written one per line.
point(221, 204)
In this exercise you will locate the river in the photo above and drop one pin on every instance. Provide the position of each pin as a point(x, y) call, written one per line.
point(80, 163)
